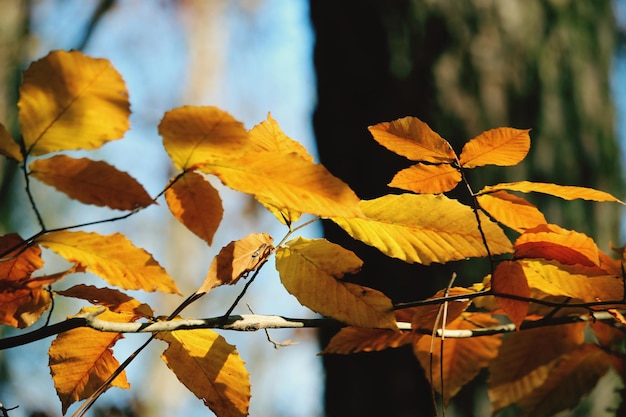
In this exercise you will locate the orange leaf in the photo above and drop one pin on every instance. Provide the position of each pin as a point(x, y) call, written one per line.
point(20, 262)
point(311, 269)
point(512, 211)
point(199, 135)
point(413, 139)
point(210, 368)
point(91, 182)
point(23, 307)
point(8, 146)
point(236, 260)
point(196, 204)
point(114, 300)
point(268, 136)
point(70, 101)
point(113, 258)
point(427, 179)
point(359, 339)
point(565, 192)
point(503, 146)
point(424, 318)
point(462, 358)
point(509, 278)
point(82, 359)
point(608, 288)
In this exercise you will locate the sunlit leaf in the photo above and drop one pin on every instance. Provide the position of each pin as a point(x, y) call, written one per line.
point(21, 261)
point(424, 229)
point(565, 192)
point(509, 278)
point(359, 339)
point(413, 139)
point(210, 368)
point(113, 258)
point(503, 146)
point(71, 101)
point(91, 182)
point(8, 146)
point(287, 181)
point(427, 179)
point(551, 278)
point(116, 301)
point(268, 136)
point(197, 135)
point(462, 358)
point(512, 211)
point(236, 260)
point(196, 204)
point(82, 359)
point(313, 275)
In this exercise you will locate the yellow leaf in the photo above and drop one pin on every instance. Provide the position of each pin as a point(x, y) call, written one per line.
point(462, 358)
point(526, 358)
point(565, 192)
point(359, 339)
point(210, 368)
point(70, 101)
point(427, 179)
point(200, 135)
point(236, 260)
point(113, 258)
point(114, 300)
point(8, 146)
point(552, 278)
point(512, 211)
point(91, 182)
point(503, 146)
point(287, 181)
point(413, 139)
point(311, 271)
point(424, 228)
point(196, 204)
point(509, 278)
point(82, 359)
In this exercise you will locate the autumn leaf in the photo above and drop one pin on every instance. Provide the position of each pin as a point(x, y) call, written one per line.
point(462, 358)
point(565, 192)
point(210, 368)
point(19, 260)
point(427, 179)
point(424, 229)
point(413, 139)
point(199, 135)
point(22, 307)
point(509, 278)
point(552, 278)
point(91, 182)
point(70, 101)
point(8, 146)
point(196, 204)
point(503, 146)
point(82, 359)
point(311, 270)
point(512, 211)
point(113, 258)
point(236, 260)
point(287, 181)
point(359, 339)
point(112, 299)
point(427, 318)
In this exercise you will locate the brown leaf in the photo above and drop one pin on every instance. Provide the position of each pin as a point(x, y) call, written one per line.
point(509, 278)
point(427, 179)
point(23, 307)
point(503, 146)
point(116, 301)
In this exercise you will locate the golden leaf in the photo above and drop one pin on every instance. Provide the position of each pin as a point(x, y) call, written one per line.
point(199, 135)
point(210, 368)
point(114, 300)
point(236, 260)
point(113, 258)
point(91, 182)
point(8, 146)
point(424, 228)
point(462, 358)
point(413, 139)
point(70, 101)
point(287, 181)
point(503, 146)
point(509, 278)
point(82, 359)
point(552, 278)
point(359, 339)
point(196, 204)
point(565, 192)
point(311, 270)
point(512, 211)
point(427, 179)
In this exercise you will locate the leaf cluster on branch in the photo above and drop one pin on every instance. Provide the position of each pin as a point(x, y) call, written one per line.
point(552, 285)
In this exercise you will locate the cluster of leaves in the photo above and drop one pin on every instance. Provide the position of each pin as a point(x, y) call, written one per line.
point(69, 101)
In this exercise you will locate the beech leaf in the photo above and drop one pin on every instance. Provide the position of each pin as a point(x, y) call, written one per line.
point(503, 146)
point(427, 179)
point(509, 278)
point(70, 101)
point(512, 211)
point(196, 204)
point(113, 258)
point(91, 182)
point(551, 278)
point(424, 318)
point(566, 192)
point(359, 339)
point(114, 300)
point(210, 368)
point(8, 146)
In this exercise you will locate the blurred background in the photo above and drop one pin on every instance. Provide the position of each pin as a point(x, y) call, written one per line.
point(325, 70)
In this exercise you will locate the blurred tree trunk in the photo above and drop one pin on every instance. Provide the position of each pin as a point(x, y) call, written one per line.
point(462, 67)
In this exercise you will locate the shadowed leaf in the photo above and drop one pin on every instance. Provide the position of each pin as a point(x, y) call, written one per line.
point(359, 339)
point(509, 278)
point(8, 146)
